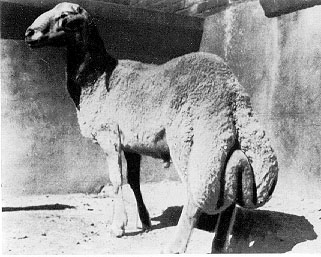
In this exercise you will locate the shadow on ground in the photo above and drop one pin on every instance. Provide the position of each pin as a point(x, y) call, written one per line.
point(169, 217)
point(255, 231)
point(49, 207)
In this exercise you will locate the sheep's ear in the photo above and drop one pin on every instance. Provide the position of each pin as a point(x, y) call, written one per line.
point(80, 9)
point(73, 22)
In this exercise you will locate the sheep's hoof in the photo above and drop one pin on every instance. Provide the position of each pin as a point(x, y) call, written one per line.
point(146, 228)
point(116, 231)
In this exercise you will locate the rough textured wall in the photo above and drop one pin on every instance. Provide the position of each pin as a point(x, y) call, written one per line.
point(278, 61)
point(42, 149)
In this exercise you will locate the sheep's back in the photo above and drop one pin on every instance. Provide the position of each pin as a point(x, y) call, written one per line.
point(197, 79)
point(150, 97)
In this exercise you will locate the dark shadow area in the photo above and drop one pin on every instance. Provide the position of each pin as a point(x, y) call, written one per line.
point(257, 231)
point(207, 222)
point(172, 214)
point(139, 232)
point(47, 207)
point(169, 217)
point(254, 231)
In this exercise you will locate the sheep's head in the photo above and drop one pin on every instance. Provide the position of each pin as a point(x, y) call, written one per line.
point(57, 26)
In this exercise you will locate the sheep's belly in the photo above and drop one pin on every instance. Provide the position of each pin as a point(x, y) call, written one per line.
point(157, 149)
point(144, 141)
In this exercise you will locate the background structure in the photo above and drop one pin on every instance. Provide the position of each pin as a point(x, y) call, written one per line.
point(278, 61)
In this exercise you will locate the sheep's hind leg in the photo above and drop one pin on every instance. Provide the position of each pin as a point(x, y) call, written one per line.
point(224, 229)
point(184, 228)
point(133, 177)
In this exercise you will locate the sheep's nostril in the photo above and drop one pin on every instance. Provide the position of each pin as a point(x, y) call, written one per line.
point(29, 32)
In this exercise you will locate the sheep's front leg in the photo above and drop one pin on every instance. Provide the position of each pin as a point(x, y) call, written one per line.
point(133, 178)
point(119, 221)
point(110, 141)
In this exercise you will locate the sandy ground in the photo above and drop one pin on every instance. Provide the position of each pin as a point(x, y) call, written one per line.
point(79, 223)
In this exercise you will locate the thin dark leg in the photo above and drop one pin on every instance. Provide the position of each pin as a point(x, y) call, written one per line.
point(133, 178)
point(223, 230)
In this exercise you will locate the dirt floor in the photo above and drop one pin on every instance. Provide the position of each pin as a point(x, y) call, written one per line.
point(78, 224)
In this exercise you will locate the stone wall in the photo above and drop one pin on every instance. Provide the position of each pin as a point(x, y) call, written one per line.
point(278, 60)
point(41, 147)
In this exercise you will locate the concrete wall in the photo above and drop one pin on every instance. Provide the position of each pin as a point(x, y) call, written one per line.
point(128, 32)
point(42, 149)
point(278, 61)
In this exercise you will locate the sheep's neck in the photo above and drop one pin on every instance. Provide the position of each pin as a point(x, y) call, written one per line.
point(87, 60)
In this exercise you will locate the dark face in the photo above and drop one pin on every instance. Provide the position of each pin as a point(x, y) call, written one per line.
point(57, 26)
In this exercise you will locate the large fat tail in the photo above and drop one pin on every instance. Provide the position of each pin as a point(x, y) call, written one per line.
point(252, 170)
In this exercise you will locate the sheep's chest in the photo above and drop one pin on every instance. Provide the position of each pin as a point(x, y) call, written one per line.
point(91, 117)
point(87, 125)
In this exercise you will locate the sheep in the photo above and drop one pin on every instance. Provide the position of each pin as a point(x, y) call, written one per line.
point(191, 111)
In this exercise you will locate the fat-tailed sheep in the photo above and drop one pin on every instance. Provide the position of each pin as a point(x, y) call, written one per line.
point(191, 110)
